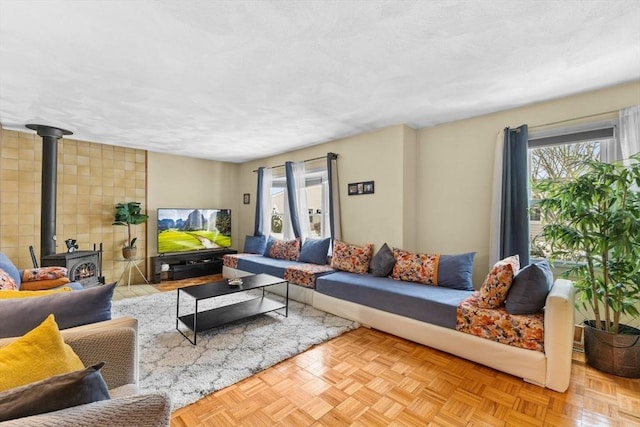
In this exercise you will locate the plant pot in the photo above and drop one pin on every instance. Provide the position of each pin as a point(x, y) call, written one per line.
point(128, 253)
point(617, 354)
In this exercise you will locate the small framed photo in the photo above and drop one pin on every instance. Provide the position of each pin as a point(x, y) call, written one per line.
point(356, 188)
point(246, 199)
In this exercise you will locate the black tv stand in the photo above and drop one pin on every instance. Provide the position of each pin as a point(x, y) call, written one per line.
point(188, 264)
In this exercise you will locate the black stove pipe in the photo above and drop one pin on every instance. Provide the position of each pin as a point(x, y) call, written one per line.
point(48, 208)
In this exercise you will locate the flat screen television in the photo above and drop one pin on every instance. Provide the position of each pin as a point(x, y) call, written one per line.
point(184, 230)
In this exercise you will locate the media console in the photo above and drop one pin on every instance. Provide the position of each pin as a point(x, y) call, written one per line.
point(188, 264)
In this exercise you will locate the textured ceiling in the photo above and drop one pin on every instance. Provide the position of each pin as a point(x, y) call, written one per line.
point(240, 80)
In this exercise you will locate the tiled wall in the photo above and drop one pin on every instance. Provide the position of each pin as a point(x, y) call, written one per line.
point(92, 178)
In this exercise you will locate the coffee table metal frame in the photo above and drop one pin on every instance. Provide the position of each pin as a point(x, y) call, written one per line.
point(199, 321)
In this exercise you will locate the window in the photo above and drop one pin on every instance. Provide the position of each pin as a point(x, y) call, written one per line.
point(559, 155)
point(317, 197)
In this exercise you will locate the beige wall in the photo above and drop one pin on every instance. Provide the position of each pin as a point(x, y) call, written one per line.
point(377, 156)
point(92, 178)
point(186, 182)
point(456, 167)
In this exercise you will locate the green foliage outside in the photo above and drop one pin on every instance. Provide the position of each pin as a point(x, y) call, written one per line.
point(595, 219)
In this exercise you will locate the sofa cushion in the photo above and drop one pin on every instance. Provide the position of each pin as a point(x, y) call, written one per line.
point(431, 304)
point(254, 244)
point(283, 249)
point(10, 268)
point(456, 271)
point(6, 282)
point(351, 258)
point(382, 262)
point(70, 308)
point(495, 287)
point(54, 393)
point(529, 290)
point(415, 267)
point(315, 251)
point(39, 354)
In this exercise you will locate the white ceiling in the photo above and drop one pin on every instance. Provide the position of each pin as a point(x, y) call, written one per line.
point(241, 80)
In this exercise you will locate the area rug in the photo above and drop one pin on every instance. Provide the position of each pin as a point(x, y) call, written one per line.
point(224, 355)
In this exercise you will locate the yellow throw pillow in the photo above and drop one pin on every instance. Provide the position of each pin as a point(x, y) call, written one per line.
point(29, 294)
point(41, 353)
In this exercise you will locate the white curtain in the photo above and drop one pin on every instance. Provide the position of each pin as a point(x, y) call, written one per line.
point(629, 131)
point(296, 184)
point(265, 203)
point(496, 201)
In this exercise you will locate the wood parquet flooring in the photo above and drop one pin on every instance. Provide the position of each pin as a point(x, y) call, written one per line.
point(369, 378)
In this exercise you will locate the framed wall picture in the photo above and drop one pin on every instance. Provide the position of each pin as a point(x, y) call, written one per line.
point(356, 188)
point(246, 199)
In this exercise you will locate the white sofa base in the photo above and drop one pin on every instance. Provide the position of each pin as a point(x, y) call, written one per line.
point(551, 369)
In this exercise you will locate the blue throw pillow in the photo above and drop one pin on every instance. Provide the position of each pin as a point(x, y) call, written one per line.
point(10, 269)
point(268, 245)
point(254, 244)
point(455, 271)
point(529, 290)
point(315, 251)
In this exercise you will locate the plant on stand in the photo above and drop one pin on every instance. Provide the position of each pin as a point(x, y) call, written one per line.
point(595, 218)
point(129, 214)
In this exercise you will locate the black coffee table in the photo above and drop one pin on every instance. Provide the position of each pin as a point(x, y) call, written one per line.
point(199, 321)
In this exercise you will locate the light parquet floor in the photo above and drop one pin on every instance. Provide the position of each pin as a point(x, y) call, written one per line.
point(370, 378)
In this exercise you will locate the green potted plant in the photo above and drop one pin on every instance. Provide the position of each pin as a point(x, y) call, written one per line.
point(129, 214)
point(595, 218)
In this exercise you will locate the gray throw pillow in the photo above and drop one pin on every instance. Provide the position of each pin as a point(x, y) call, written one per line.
point(55, 393)
point(19, 316)
point(315, 251)
point(382, 262)
point(529, 290)
point(455, 271)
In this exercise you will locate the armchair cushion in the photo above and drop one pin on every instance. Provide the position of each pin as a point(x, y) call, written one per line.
point(32, 294)
point(43, 273)
point(39, 354)
point(54, 393)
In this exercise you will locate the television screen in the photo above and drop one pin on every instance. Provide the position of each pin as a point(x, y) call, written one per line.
point(181, 230)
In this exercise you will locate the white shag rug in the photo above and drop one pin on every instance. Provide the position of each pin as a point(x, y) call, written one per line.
point(224, 355)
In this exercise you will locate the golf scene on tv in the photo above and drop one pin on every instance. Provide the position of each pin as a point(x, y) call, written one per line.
point(181, 230)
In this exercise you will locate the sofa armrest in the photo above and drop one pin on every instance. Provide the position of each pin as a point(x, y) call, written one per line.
point(558, 334)
point(142, 410)
point(113, 341)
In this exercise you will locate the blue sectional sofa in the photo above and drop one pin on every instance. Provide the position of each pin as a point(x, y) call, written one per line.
point(428, 315)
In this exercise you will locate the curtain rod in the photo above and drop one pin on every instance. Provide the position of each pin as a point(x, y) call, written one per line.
point(574, 119)
point(334, 155)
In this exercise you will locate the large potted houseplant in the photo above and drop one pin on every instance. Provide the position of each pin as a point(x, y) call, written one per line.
point(595, 217)
point(129, 214)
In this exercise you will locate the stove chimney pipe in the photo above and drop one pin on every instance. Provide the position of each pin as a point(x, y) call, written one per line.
point(50, 136)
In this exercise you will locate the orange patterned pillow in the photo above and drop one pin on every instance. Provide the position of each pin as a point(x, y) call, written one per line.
point(351, 258)
point(495, 287)
point(41, 285)
point(43, 273)
point(415, 267)
point(6, 282)
point(285, 249)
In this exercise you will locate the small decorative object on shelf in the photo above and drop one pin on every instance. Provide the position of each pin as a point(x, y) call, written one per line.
point(71, 245)
point(236, 281)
